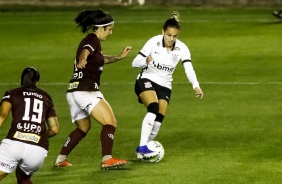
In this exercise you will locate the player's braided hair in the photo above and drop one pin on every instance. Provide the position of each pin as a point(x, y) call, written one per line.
point(87, 19)
point(29, 77)
point(173, 21)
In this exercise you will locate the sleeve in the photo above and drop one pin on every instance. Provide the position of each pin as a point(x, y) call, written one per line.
point(51, 110)
point(6, 97)
point(190, 73)
point(90, 44)
point(188, 67)
point(140, 59)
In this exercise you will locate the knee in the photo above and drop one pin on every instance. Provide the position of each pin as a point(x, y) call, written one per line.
point(153, 108)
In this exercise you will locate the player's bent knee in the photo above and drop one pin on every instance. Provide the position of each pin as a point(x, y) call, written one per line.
point(153, 108)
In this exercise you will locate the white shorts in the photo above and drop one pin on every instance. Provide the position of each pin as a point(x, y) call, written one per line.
point(81, 103)
point(29, 157)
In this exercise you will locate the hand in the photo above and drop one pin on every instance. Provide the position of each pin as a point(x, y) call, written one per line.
point(199, 92)
point(125, 52)
point(149, 59)
point(81, 64)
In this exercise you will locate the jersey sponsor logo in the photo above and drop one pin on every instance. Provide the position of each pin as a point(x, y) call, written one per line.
point(8, 96)
point(32, 94)
point(73, 85)
point(163, 68)
point(27, 137)
point(147, 84)
point(29, 127)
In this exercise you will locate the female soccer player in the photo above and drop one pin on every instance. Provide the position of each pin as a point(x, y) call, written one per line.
point(83, 94)
point(25, 147)
point(158, 59)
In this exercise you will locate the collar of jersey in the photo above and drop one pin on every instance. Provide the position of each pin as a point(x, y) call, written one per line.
point(173, 46)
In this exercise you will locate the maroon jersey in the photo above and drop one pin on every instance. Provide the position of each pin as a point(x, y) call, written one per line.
point(88, 78)
point(30, 110)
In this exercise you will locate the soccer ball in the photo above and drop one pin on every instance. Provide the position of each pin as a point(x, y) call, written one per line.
point(158, 147)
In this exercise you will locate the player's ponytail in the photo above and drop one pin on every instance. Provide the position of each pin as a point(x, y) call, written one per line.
point(173, 22)
point(30, 76)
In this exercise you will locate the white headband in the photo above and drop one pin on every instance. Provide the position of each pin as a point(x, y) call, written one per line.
point(102, 25)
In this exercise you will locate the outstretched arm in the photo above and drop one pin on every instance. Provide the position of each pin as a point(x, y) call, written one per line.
point(112, 59)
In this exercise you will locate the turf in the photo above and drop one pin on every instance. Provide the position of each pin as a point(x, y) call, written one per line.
point(232, 135)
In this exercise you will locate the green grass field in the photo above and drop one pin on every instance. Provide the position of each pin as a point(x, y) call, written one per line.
point(233, 135)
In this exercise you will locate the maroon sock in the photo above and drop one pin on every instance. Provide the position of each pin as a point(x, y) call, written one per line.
point(107, 139)
point(71, 142)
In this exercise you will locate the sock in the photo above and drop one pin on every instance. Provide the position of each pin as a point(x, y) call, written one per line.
point(155, 130)
point(71, 142)
point(147, 125)
point(61, 158)
point(106, 157)
point(107, 139)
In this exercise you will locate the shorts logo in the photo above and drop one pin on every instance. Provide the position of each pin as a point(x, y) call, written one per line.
point(88, 106)
point(2, 164)
point(147, 84)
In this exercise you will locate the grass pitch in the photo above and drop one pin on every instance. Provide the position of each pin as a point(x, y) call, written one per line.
point(232, 135)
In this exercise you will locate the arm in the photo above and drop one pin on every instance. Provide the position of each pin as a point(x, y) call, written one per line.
point(53, 125)
point(191, 75)
point(4, 111)
point(112, 59)
point(82, 58)
point(141, 60)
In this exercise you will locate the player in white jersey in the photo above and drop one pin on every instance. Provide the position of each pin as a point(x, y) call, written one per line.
point(158, 59)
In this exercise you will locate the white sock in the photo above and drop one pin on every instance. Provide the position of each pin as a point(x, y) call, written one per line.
point(106, 157)
point(155, 130)
point(147, 126)
point(61, 158)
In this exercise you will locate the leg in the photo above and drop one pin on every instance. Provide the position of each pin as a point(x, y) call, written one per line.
point(150, 100)
point(159, 119)
point(22, 178)
point(83, 126)
point(3, 175)
point(103, 113)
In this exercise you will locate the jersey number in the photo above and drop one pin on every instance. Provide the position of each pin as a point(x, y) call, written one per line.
point(36, 111)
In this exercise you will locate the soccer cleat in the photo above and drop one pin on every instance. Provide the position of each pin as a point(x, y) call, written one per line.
point(113, 163)
point(64, 163)
point(144, 152)
point(277, 14)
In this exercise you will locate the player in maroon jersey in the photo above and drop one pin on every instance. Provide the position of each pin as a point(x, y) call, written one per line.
point(26, 145)
point(83, 94)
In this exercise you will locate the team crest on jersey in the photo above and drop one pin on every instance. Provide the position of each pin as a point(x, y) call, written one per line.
point(177, 48)
point(174, 57)
point(159, 43)
point(147, 84)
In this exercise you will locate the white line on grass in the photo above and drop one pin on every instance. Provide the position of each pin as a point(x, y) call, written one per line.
point(131, 83)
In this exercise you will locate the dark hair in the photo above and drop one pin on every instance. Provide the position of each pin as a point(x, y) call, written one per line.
point(173, 21)
point(29, 77)
point(88, 19)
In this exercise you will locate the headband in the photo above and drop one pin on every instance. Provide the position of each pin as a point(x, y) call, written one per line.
point(102, 25)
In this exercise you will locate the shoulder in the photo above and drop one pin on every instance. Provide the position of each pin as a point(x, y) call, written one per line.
point(181, 46)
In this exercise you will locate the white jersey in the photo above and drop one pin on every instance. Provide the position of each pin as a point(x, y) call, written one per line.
point(164, 62)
